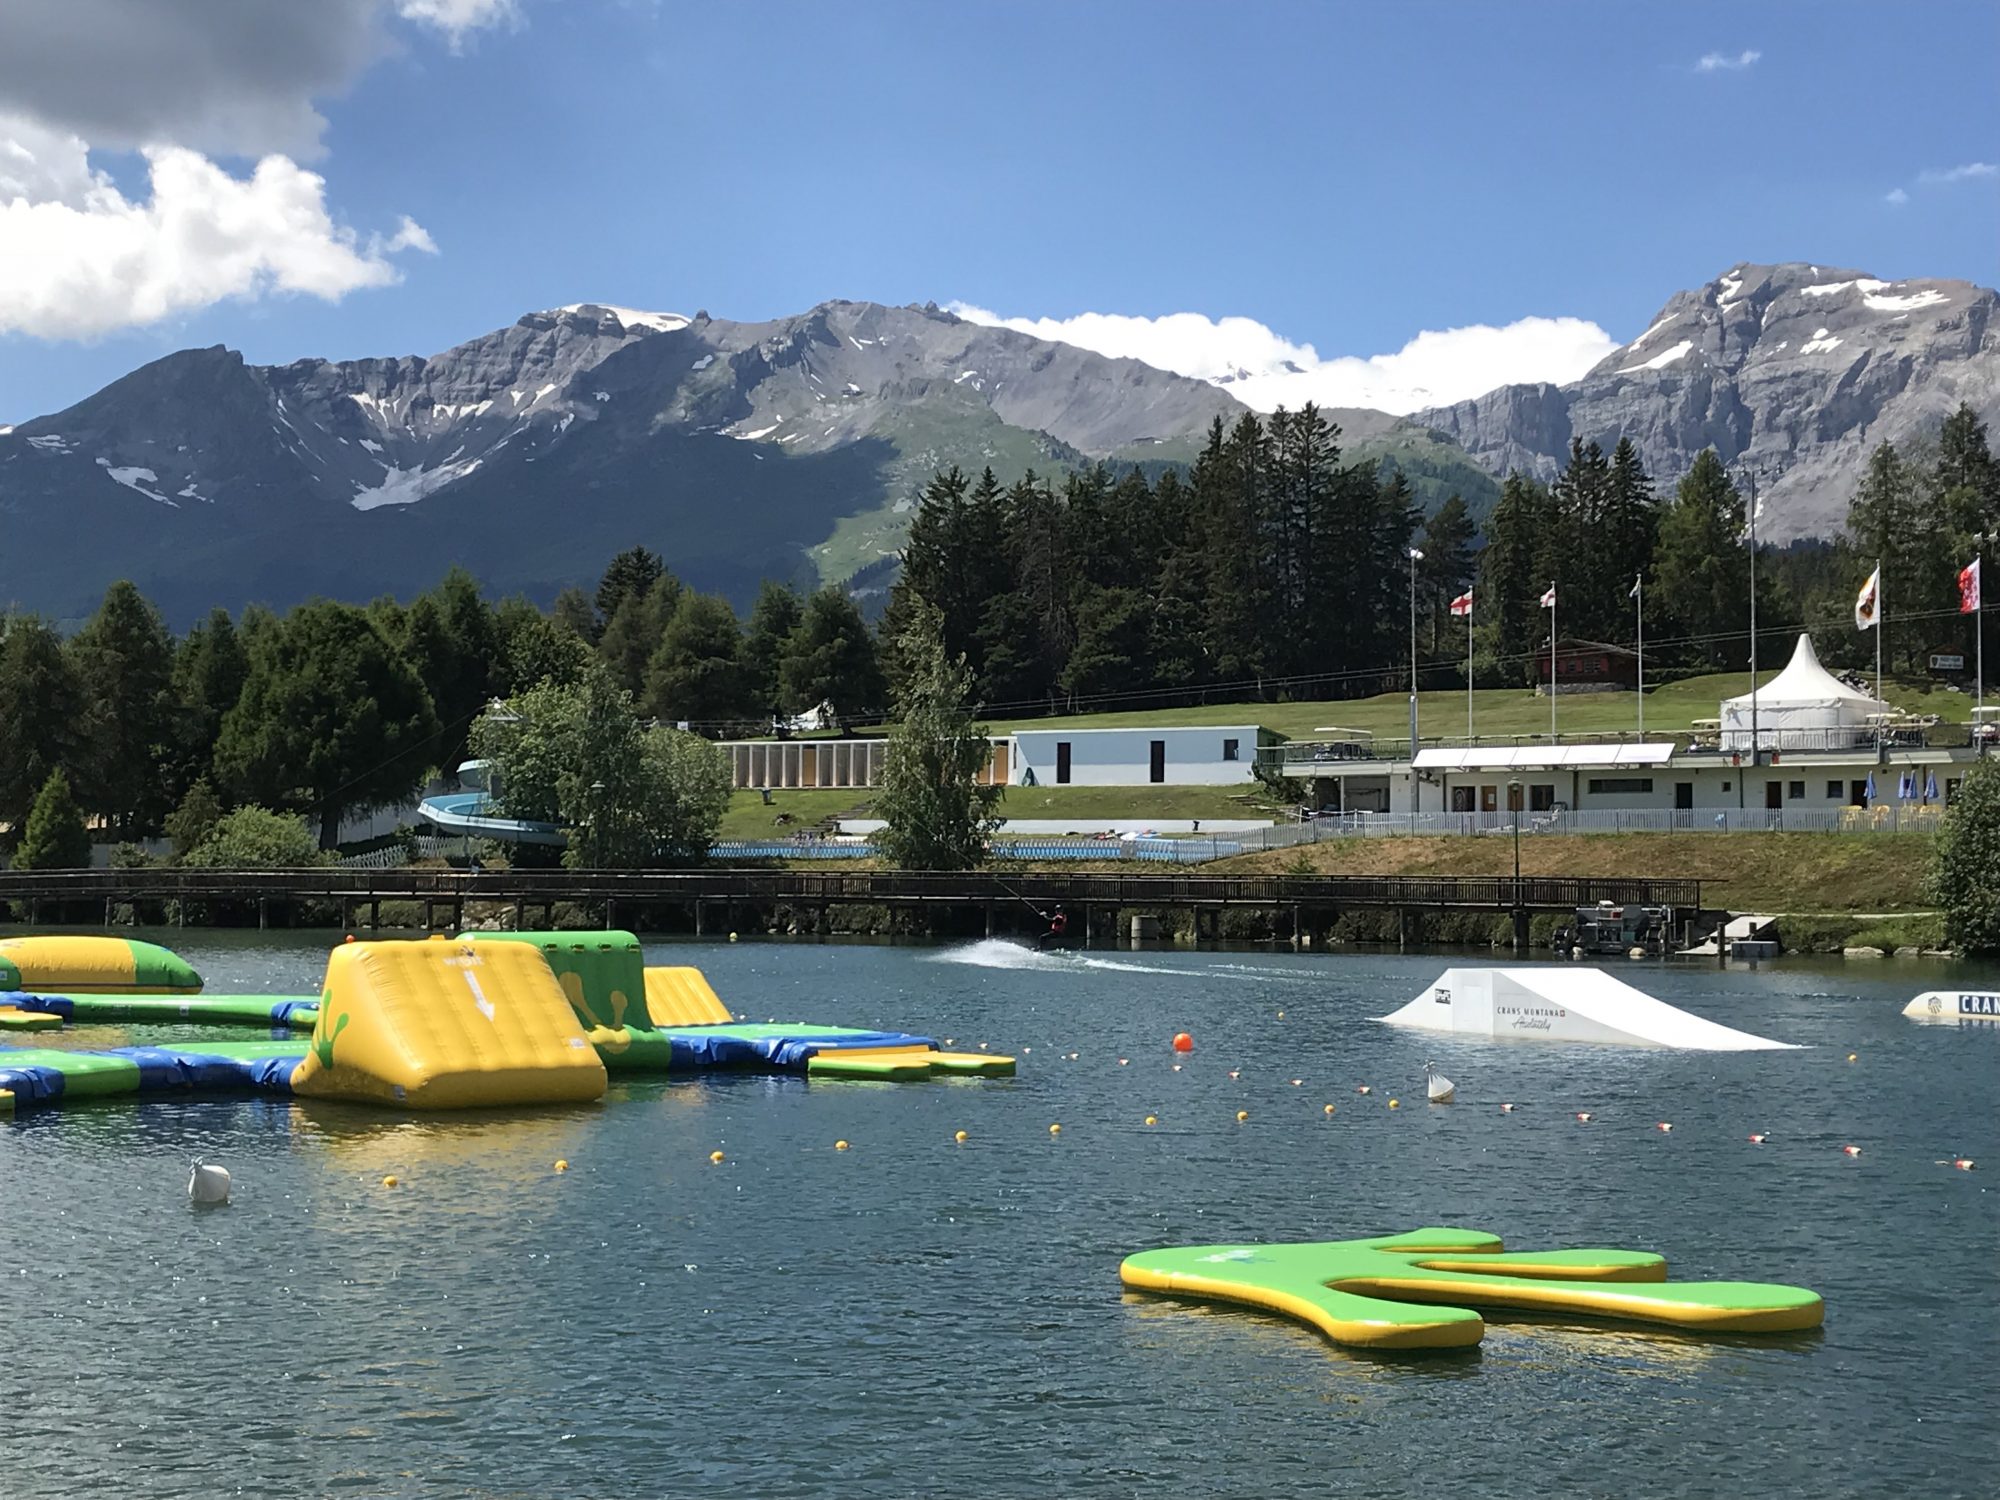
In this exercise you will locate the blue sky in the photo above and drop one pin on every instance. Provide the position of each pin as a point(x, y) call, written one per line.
point(1346, 175)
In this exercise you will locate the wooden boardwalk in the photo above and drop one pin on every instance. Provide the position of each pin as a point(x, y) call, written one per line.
point(637, 893)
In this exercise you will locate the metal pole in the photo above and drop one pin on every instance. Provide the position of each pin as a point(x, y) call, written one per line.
point(1754, 742)
point(1552, 661)
point(1414, 792)
point(1881, 628)
point(1639, 593)
point(1468, 676)
point(1979, 637)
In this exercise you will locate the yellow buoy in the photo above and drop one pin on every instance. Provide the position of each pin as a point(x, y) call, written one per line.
point(1281, 1015)
point(1152, 1119)
point(840, 1145)
point(390, 1180)
point(960, 1137)
point(1395, 1104)
point(1242, 1115)
point(732, 937)
point(561, 1165)
point(716, 1157)
point(1852, 1055)
point(1329, 1109)
point(1055, 1130)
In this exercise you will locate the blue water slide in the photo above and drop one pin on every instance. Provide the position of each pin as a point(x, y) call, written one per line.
point(468, 813)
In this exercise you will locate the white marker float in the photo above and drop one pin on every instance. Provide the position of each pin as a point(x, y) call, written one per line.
point(1563, 1003)
point(1956, 1005)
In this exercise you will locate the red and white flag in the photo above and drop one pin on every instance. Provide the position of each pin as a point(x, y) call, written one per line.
point(1462, 605)
point(1549, 599)
point(1968, 589)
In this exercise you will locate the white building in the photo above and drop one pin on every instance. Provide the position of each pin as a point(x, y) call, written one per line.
point(1823, 748)
point(1207, 755)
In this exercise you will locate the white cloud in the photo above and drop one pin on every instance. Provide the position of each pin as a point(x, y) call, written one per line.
point(459, 18)
point(1722, 62)
point(1943, 176)
point(1896, 196)
point(1265, 370)
point(83, 259)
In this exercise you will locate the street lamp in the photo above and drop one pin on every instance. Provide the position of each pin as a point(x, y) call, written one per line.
point(1514, 802)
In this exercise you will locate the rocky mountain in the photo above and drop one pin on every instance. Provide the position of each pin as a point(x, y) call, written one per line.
point(1791, 372)
point(790, 448)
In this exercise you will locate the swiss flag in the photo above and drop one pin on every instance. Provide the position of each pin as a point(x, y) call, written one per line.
point(1462, 605)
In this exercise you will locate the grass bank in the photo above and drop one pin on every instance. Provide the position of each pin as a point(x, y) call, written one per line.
point(1765, 872)
point(790, 810)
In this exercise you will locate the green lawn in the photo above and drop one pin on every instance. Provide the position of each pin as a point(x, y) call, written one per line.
point(1496, 711)
point(749, 818)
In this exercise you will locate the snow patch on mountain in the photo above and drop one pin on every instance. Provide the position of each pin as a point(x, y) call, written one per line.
point(129, 475)
point(632, 318)
point(1661, 361)
point(408, 486)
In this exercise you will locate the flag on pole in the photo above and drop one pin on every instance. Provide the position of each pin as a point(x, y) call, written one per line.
point(1930, 787)
point(1868, 603)
point(1906, 787)
point(1968, 588)
point(1462, 605)
point(1868, 791)
point(1633, 592)
point(1549, 599)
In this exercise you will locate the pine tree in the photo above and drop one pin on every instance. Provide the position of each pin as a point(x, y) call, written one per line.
point(630, 574)
point(939, 816)
point(45, 722)
point(124, 659)
point(1111, 638)
point(632, 637)
point(830, 658)
point(1512, 576)
point(1447, 567)
point(452, 642)
point(696, 676)
point(1229, 490)
point(188, 825)
point(55, 838)
point(209, 670)
point(772, 620)
point(1698, 595)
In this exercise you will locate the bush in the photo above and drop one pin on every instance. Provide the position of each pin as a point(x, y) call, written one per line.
point(1965, 864)
point(1899, 932)
point(56, 838)
point(257, 838)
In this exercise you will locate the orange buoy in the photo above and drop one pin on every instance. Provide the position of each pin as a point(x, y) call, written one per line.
point(1582, 1118)
point(1183, 1042)
point(1664, 1127)
point(1963, 1163)
point(1758, 1140)
point(1851, 1150)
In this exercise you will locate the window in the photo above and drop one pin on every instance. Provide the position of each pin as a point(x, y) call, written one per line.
point(1834, 790)
point(1229, 750)
point(1600, 785)
point(1461, 798)
point(1062, 762)
point(1542, 797)
point(1729, 786)
point(1158, 769)
point(1796, 791)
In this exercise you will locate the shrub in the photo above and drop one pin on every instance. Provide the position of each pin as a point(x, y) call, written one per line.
point(1964, 878)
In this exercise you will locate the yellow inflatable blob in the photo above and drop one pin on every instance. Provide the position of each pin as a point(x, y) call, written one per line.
point(446, 1026)
point(683, 997)
point(72, 964)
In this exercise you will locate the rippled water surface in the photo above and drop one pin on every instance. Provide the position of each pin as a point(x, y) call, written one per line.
point(914, 1316)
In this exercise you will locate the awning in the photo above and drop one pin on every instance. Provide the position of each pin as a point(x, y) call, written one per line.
point(1543, 757)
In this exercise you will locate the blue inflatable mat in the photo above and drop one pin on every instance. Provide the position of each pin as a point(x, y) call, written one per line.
point(785, 1048)
point(37, 1074)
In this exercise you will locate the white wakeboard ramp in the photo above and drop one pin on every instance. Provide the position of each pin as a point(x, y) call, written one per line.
point(1564, 1003)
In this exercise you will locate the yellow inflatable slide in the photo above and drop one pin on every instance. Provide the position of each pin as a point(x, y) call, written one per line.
point(446, 1025)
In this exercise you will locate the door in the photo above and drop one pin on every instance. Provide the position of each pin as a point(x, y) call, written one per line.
point(1857, 794)
point(1158, 769)
point(1774, 794)
point(1683, 796)
point(1489, 799)
point(1062, 762)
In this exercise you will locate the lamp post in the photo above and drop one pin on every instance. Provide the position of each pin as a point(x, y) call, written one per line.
point(1520, 925)
point(597, 824)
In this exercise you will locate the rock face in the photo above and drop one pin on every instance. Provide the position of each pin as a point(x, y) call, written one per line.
point(1791, 372)
point(535, 452)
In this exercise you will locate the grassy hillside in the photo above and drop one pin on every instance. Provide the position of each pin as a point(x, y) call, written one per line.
point(749, 818)
point(1763, 872)
point(1496, 711)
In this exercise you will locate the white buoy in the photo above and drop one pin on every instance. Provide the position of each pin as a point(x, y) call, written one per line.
point(1440, 1089)
point(208, 1185)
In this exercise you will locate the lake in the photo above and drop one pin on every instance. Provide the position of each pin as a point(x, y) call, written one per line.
point(915, 1316)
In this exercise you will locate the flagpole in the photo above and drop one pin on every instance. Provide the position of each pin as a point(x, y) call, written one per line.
point(1552, 661)
point(1639, 593)
point(1881, 628)
point(1468, 675)
point(1755, 738)
point(1415, 786)
point(1979, 637)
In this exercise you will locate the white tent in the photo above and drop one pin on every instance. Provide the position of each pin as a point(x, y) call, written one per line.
point(1803, 697)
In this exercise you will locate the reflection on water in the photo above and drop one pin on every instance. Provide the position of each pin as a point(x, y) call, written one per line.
point(915, 1315)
